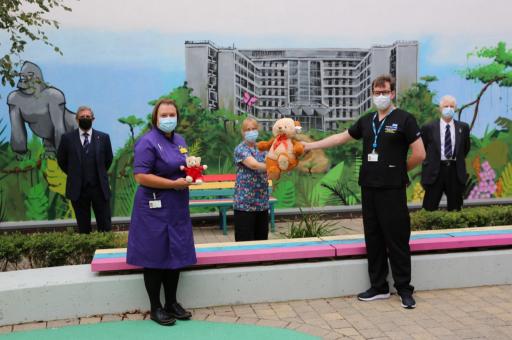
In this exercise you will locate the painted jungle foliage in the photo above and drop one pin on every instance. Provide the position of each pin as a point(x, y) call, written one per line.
point(32, 186)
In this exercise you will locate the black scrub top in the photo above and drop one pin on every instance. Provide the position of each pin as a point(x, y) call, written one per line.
point(399, 131)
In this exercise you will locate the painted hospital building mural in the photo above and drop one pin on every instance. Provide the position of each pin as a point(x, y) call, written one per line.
point(216, 83)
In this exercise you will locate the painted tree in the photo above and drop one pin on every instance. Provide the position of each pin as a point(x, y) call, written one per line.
point(132, 121)
point(419, 100)
point(24, 21)
point(498, 71)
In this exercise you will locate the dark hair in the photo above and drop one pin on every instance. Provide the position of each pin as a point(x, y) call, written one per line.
point(382, 80)
point(164, 101)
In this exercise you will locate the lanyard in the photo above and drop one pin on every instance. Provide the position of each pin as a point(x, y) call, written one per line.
point(375, 131)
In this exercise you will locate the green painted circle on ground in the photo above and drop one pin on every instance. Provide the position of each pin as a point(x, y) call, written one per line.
point(142, 330)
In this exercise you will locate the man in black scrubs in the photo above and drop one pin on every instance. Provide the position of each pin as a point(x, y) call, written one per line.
point(387, 136)
point(444, 170)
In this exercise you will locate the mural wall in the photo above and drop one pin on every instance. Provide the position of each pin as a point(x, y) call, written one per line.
point(121, 71)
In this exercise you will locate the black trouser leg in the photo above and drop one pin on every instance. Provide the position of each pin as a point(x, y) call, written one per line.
point(245, 224)
point(375, 242)
point(393, 216)
point(153, 279)
point(261, 227)
point(101, 208)
point(454, 189)
point(170, 278)
point(82, 208)
point(433, 194)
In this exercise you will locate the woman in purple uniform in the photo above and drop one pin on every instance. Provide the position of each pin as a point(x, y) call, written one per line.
point(160, 237)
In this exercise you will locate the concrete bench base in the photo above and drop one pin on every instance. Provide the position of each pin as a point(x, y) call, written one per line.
point(74, 291)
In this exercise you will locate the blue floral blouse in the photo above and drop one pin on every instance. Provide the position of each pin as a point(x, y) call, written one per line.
point(251, 186)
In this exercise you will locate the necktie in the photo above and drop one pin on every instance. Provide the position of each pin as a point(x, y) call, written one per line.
point(447, 143)
point(86, 142)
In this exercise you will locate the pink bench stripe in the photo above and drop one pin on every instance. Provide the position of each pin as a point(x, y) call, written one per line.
point(426, 244)
point(257, 255)
point(105, 265)
point(460, 242)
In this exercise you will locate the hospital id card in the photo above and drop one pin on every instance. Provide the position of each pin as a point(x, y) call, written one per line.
point(373, 157)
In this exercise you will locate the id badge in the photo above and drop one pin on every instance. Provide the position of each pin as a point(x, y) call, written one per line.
point(373, 157)
point(155, 204)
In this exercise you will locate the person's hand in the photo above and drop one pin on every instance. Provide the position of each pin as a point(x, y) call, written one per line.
point(180, 184)
point(306, 146)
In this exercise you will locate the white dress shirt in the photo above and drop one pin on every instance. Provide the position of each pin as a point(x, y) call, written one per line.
point(82, 137)
point(452, 133)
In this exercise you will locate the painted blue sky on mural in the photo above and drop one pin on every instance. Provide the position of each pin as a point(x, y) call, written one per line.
point(118, 55)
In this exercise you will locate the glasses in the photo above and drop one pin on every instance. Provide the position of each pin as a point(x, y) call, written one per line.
point(382, 93)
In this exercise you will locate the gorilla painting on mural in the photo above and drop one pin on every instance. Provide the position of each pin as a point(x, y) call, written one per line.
point(43, 107)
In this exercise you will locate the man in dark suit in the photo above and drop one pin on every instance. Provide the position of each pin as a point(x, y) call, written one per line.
point(85, 156)
point(447, 143)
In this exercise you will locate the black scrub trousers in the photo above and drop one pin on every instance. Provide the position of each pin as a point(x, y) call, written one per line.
point(387, 227)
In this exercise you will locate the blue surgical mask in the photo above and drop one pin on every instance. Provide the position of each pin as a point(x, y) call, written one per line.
point(448, 112)
point(251, 136)
point(167, 124)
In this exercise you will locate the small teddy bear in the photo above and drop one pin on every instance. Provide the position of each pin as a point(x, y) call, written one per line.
point(193, 170)
point(283, 149)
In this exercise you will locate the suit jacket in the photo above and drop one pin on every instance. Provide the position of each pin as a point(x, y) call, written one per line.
point(431, 135)
point(69, 157)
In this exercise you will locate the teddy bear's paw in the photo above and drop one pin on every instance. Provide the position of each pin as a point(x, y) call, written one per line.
point(274, 176)
point(189, 179)
point(199, 181)
point(283, 162)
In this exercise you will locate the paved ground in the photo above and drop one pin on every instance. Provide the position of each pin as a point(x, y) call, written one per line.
point(472, 313)
point(214, 234)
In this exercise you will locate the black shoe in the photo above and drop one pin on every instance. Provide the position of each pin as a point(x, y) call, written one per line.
point(161, 317)
point(178, 312)
point(407, 300)
point(373, 294)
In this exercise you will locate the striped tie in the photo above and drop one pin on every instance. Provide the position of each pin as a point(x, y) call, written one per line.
point(447, 143)
point(86, 142)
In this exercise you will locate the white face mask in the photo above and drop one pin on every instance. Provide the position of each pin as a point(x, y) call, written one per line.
point(382, 102)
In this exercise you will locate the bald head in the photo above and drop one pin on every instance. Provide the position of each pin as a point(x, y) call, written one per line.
point(447, 101)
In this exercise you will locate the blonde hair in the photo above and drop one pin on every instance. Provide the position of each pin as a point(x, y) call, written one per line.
point(248, 121)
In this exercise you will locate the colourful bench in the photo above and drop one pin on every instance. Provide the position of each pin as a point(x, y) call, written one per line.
point(316, 248)
point(217, 191)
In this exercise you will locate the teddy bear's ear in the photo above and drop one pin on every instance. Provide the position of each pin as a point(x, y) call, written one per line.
point(198, 159)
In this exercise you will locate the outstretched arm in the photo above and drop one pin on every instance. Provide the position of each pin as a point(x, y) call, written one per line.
point(334, 140)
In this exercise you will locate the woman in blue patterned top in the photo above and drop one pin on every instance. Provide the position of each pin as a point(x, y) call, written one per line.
point(251, 187)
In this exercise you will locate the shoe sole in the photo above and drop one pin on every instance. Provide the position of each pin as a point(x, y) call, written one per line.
point(170, 323)
point(177, 317)
point(375, 297)
point(405, 306)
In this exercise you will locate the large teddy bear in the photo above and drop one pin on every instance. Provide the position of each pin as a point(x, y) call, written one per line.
point(194, 169)
point(283, 149)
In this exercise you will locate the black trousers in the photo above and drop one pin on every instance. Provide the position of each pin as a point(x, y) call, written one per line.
point(92, 195)
point(153, 280)
point(251, 225)
point(387, 229)
point(447, 182)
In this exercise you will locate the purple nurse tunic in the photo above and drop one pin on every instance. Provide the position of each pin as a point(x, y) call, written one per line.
point(160, 237)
